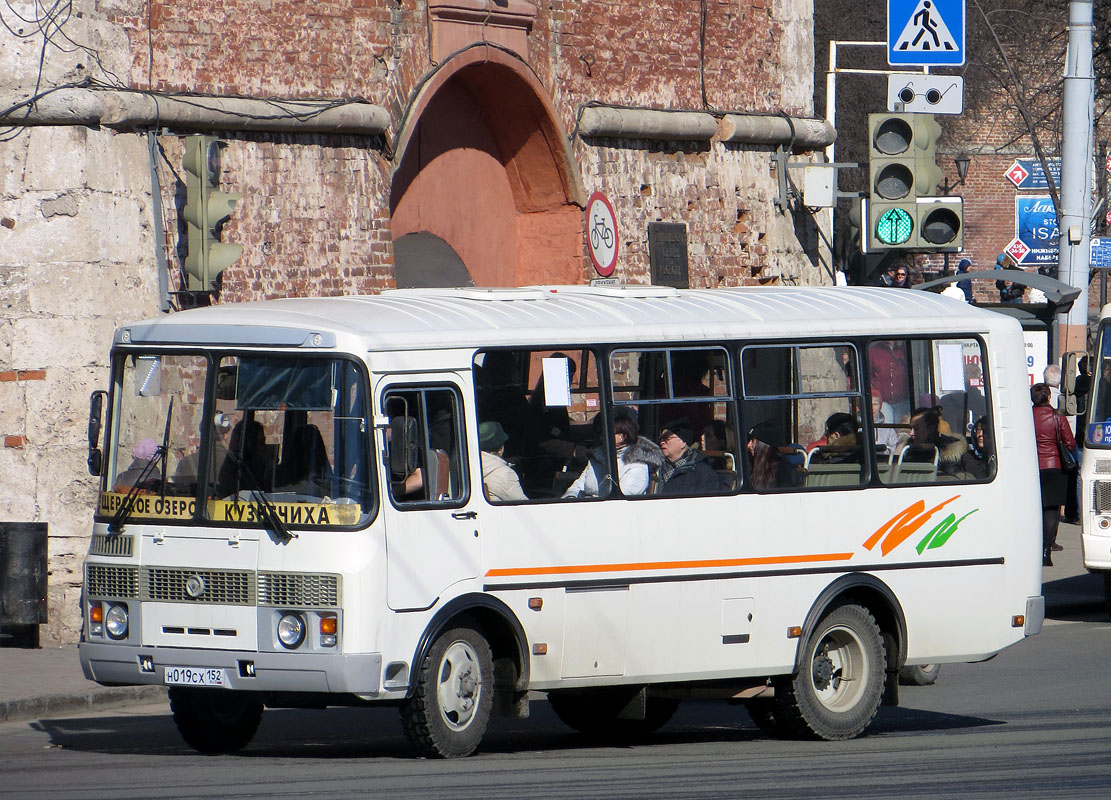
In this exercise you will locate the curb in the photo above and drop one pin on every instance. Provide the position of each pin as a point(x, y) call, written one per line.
point(32, 708)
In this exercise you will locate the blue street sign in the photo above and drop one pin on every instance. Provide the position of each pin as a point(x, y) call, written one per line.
point(1100, 256)
point(925, 32)
point(1027, 173)
point(1036, 227)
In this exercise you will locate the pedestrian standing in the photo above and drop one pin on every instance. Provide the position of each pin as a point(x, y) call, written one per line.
point(963, 268)
point(1051, 433)
point(902, 278)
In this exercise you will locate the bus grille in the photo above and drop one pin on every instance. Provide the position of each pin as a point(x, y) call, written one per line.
point(106, 581)
point(1101, 496)
point(293, 589)
point(168, 585)
point(105, 545)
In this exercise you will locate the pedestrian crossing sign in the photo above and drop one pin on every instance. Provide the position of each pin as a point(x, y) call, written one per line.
point(928, 33)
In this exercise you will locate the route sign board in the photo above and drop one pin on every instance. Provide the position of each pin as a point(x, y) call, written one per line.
point(1027, 173)
point(925, 94)
point(925, 32)
point(1100, 255)
point(1036, 227)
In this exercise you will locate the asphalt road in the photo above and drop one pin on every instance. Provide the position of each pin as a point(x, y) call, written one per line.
point(1033, 722)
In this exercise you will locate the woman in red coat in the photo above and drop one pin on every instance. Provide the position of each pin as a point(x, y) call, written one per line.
point(1049, 427)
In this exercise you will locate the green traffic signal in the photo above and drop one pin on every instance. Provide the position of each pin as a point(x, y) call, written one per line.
point(894, 226)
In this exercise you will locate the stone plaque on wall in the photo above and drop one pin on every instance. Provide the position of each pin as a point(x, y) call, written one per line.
point(667, 252)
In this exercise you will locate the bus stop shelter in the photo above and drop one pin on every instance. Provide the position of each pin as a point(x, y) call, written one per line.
point(1034, 317)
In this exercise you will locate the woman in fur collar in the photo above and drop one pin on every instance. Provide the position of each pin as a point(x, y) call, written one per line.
point(636, 456)
point(924, 432)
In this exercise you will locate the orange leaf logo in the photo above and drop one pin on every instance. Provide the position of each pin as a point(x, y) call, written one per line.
point(903, 525)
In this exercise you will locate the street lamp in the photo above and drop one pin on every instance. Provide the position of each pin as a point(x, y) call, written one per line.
point(962, 161)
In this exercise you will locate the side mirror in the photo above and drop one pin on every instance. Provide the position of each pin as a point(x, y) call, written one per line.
point(96, 411)
point(403, 447)
point(1074, 384)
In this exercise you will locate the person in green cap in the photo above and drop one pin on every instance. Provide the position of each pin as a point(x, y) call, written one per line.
point(498, 478)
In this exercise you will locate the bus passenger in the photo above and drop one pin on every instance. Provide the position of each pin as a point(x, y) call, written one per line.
point(142, 454)
point(886, 438)
point(770, 470)
point(636, 457)
point(685, 470)
point(976, 462)
point(498, 478)
point(926, 435)
point(248, 464)
point(841, 443)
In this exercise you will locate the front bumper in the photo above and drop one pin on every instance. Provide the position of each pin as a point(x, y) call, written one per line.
point(331, 673)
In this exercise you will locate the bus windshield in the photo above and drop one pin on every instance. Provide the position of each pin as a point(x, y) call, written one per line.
point(288, 433)
point(1099, 406)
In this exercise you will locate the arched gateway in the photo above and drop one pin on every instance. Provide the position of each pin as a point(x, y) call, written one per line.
point(483, 165)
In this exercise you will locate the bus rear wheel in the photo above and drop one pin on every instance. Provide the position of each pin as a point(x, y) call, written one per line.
point(837, 691)
point(595, 712)
point(215, 721)
point(1107, 591)
point(450, 708)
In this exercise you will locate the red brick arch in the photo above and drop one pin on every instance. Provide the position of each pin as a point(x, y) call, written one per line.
point(483, 164)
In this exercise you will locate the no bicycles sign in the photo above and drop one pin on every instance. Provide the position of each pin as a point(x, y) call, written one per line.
point(601, 234)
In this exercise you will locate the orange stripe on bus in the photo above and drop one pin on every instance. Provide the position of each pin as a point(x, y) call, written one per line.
point(575, 569)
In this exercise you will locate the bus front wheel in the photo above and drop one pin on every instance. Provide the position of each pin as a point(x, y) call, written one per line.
point(450, 708)
point(837, 691)
point(215, 721)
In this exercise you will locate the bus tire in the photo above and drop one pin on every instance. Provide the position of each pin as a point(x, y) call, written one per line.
point(215, 721)
point(838, 688)
point(1107, 591)
point(596, 712)
point(921, 675)
point(447, 715)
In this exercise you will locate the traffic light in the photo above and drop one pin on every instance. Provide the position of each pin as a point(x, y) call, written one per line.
point(206, 211)
point(903, 210)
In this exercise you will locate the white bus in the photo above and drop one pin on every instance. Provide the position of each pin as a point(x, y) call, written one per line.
point(1095, 464)
point(778, 497)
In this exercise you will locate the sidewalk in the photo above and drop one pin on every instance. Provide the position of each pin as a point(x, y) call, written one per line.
point(47, 682)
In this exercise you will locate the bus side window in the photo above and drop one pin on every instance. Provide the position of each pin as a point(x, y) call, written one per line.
point(682, 399)
point(803, 412)
point(947, 433)
point(547, 404)
point(423, 455)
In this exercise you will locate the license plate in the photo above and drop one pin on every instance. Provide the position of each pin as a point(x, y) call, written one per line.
point(194, 676)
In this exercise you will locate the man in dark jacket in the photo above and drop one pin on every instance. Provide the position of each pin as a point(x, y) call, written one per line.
point(686, 471)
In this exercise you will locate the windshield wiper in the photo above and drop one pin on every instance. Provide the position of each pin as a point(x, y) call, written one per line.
point(128, 504)
point(268, 512)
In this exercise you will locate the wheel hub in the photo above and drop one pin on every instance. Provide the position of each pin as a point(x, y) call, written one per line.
point(823, 672)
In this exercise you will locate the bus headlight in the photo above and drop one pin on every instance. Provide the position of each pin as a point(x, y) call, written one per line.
point(115, 621)
point(291, 630)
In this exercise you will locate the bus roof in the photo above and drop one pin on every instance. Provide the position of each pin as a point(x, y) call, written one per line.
point(448, 318)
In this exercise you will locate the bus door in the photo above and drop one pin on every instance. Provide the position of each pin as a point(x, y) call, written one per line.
point(432, 536)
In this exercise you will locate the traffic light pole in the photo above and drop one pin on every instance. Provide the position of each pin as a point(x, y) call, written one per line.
point(1075, 213)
